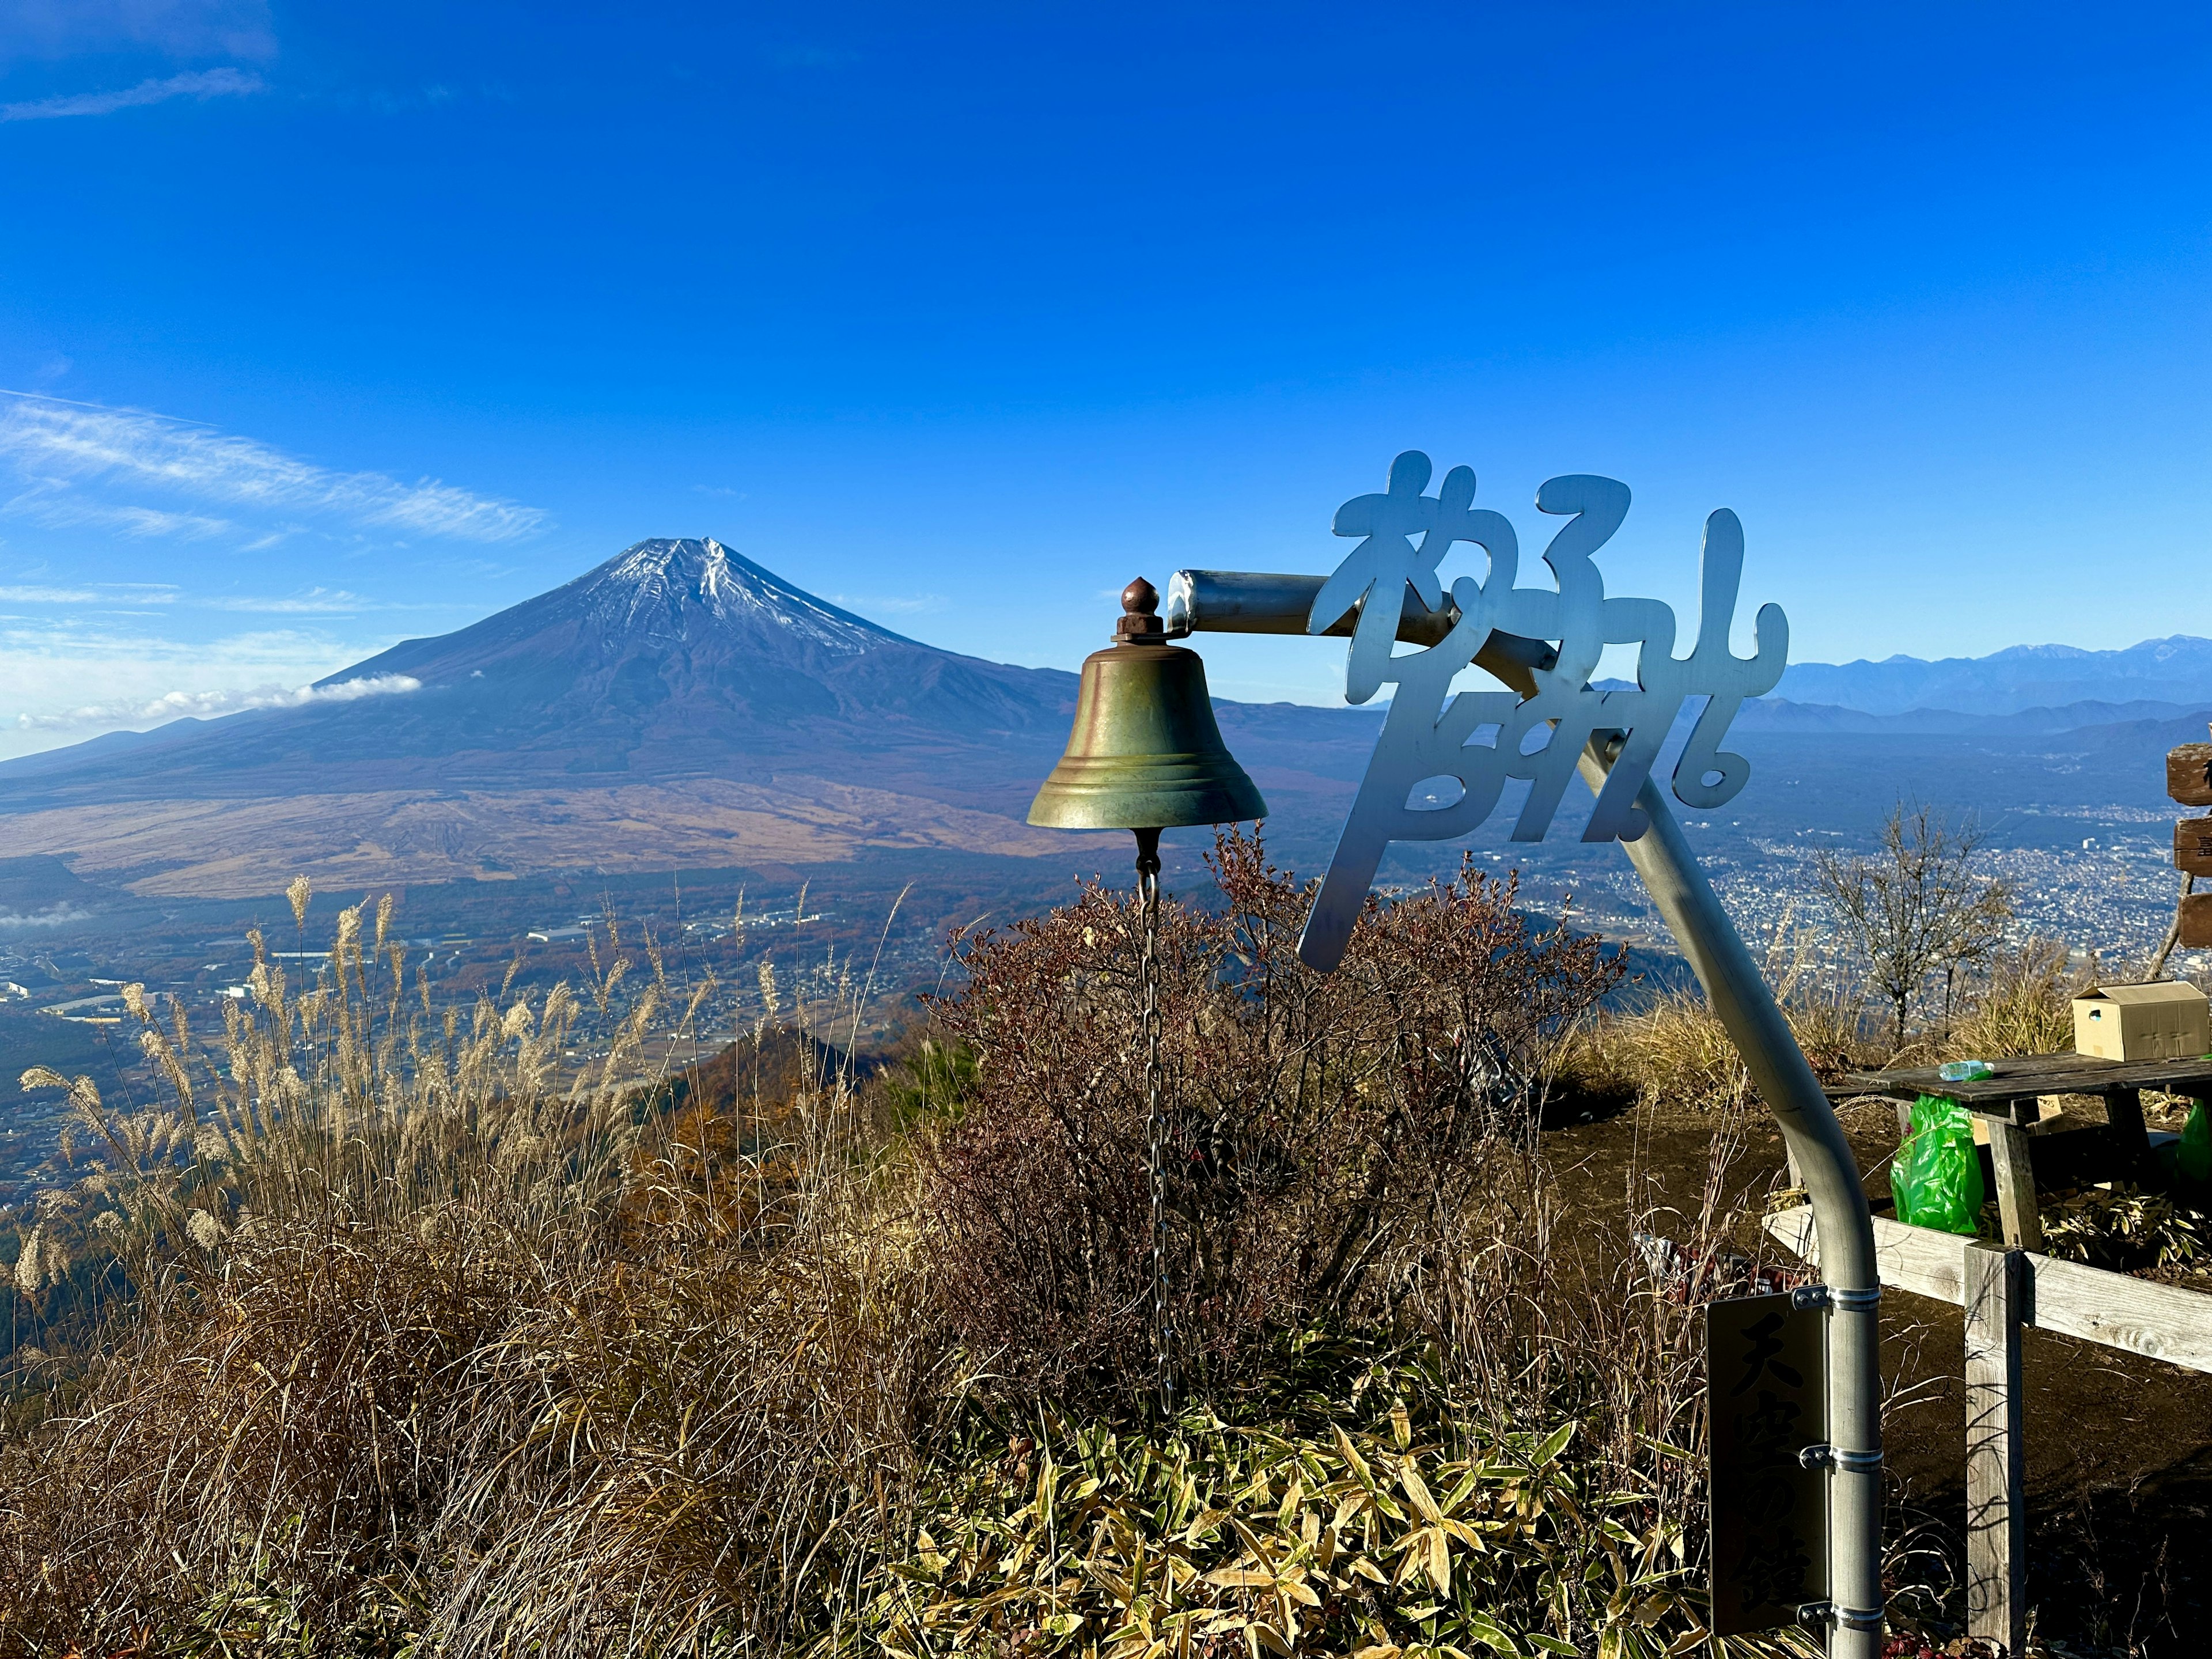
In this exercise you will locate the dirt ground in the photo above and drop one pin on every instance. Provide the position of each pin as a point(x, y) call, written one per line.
point(2119, 1448)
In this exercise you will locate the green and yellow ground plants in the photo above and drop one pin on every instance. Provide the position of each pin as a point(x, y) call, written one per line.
point(1399, 1528)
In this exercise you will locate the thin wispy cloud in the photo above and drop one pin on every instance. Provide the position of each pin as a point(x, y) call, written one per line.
point(316, 602)
point(61, 449)
point(208, 705)
point(178, 28)
point(101, 596)
point(119, 596)
point(61, 914)
point(37, 651)
point(202, 84)
point(51, 504)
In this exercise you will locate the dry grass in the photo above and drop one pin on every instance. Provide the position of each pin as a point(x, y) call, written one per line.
point(435, 1346)
point(1672, 1051)
point(2025, 1007)
point(398, 1367)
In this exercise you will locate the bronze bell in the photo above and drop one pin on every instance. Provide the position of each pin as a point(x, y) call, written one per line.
point(1146, 753)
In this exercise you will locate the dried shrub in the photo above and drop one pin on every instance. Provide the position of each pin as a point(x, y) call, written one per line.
point(2026, 1005)
point(1317, 1126)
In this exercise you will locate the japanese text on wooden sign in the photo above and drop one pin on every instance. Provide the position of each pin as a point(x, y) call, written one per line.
point(2189, 781)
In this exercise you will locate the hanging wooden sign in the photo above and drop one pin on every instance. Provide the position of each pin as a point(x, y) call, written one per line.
point(2196, 921)
point(2192, 845)
point(2188, 774)
point(1765, 1386)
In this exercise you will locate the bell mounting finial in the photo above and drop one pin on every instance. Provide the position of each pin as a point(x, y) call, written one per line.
point(1140, 601)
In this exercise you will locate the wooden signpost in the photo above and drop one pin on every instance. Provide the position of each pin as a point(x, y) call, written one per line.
point(2189, 781)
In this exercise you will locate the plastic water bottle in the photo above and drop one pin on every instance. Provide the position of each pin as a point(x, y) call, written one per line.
point(1966, 1070)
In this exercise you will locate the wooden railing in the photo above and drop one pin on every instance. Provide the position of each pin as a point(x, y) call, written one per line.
point(2003, 1291)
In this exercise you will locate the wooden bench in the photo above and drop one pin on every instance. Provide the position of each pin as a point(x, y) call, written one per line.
point(2007, 1104)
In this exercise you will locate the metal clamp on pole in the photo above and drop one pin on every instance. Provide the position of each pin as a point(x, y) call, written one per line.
point(1825, 1456)
point(1827, 1613)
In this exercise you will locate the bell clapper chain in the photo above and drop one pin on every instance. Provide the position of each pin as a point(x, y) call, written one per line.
point(1148, 979)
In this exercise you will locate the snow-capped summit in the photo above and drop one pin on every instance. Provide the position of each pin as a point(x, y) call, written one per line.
point(670, 588)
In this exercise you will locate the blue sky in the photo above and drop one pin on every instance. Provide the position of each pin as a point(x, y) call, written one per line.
point(339, 324)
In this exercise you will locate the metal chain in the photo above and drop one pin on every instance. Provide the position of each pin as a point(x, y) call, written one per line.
point(1148, 891)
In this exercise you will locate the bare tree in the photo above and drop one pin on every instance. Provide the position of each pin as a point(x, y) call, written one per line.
point(1916, 907)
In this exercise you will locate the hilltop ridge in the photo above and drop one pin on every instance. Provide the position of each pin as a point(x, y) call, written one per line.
point(2176, 670)
point(680, 706)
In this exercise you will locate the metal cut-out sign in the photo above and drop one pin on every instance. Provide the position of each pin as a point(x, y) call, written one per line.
point(1477, 740)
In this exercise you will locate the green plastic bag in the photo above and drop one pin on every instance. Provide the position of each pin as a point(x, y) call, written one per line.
point(1937, 1177)
point(2192, 1153)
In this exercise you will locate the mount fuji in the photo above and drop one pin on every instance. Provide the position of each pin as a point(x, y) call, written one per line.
point(676, 706)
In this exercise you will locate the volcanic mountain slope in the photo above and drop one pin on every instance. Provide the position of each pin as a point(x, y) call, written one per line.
point(678, 706)
point(674, 659)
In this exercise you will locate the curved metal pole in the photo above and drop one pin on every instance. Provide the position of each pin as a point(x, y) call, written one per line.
point(1740, 997)
point(1253, 603)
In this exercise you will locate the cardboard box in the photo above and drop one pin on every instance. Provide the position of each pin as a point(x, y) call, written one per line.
point(2166, 1021)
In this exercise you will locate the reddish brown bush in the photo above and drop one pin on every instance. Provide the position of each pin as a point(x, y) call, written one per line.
point(1319, 1126)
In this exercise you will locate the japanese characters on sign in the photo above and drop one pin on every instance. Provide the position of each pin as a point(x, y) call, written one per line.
point(1473, 741)
point(1764, 1372)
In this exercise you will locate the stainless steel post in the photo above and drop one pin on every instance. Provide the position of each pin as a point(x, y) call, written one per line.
point(1740, 997)
point(1247, 602)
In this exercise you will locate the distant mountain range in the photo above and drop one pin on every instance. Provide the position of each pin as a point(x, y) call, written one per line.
point(2175, 673)
point(681, 708)
point(1779, 714)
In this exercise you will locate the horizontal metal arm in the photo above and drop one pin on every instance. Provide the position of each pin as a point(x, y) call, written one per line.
point(1257, 601)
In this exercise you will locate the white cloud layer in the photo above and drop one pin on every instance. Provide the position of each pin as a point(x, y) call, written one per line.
point(54, 916)
point(58, 449)
point(66, 677)
point(315, 602)
point(154, 568)
point(202, 84)
point(207, 705)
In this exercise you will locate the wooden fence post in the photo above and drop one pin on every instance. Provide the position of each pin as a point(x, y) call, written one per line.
point(1997, 1288)
point(2015, 1175)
